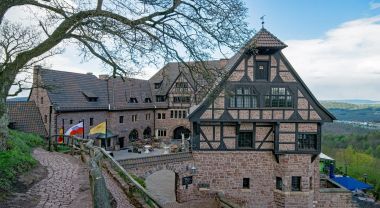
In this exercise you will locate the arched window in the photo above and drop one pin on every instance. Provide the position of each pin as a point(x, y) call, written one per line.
point(133, 136)
point(177, 134)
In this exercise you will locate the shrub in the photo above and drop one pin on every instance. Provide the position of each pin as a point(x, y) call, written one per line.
point(17, 158)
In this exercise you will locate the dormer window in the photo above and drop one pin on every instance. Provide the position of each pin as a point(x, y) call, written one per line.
point(262, 70)
point(160, 98)
point(157, 85)
point(147, 100)
point(181, 85)
point(90, 96)
point(132, 100)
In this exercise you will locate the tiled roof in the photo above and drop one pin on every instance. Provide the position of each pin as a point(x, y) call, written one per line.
point(70, 91)
point(265, 39)
point(169, 73)
point(120, 92)
point(26, 117)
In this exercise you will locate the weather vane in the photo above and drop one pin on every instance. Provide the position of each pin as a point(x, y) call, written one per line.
point(262, 21)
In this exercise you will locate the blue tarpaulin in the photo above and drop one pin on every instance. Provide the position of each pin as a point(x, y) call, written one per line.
point(351, 183)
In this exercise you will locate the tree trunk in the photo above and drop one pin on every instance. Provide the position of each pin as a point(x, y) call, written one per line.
point(3, 119)
point(3, 124)
point(6, 80)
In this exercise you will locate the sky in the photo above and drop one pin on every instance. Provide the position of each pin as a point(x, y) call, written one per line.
point(334, 45)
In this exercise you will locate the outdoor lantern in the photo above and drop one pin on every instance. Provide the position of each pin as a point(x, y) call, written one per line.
point(193, 170)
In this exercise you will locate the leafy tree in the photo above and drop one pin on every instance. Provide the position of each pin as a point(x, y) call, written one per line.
point(124, 34)
point(377, 151)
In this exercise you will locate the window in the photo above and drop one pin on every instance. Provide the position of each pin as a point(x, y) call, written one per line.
point(132, 100)
point(296, 183)
point(147, 100)
point(92, 99)
point(91, 121)
point(45, 119)
point(134, 118)
point(279, 97)
point(157, 85)
point(245, 140)
point(279, 183)
point(245, 183)
point(160, 98)
point(161, 132)
point(262, 71)
point(311, 183)
point(178, 114)
point(307, 141)
point(181, 99)
point(147, 116)
point(121, 119)
point(243, 98)
point(71, 121)
point(42, 100)
point(160, 115)
point(181, 84)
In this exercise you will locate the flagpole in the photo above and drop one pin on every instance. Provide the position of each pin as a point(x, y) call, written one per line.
point(63, 131)
point(106, 137)
point(83, 129)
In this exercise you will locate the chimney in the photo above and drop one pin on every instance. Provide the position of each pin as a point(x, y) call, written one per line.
point(89, 73)
point(36, 74)
point(104, 76)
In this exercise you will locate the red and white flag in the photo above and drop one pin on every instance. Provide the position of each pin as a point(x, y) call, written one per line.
point(75, 130)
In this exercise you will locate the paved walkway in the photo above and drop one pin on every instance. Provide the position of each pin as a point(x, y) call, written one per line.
point(67, 183)
point(117, 193)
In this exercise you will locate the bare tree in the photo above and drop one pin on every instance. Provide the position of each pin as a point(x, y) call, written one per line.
point(123, 34)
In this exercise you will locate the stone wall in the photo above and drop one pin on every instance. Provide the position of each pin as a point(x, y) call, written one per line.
point(340, 199)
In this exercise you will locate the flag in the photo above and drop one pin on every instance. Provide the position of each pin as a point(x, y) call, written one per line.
point(60, 137)
point(76, 129)
point(99, 129)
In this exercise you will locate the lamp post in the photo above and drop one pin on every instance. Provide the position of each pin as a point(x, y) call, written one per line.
point(365, 176)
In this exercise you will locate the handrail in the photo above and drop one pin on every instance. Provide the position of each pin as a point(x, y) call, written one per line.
point(141, 188)
point(226, 203)
point(98, 186)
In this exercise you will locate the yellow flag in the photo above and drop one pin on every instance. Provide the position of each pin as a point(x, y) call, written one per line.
point(99, 129)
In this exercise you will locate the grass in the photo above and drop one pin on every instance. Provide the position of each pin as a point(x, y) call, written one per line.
point(17, 158)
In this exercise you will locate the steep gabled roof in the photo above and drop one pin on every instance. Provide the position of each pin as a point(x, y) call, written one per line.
point(25, 116)
point(171, 71)
point(265, 39)
point(70, 91)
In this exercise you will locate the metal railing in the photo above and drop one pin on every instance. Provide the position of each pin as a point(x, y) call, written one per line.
point(97, 157)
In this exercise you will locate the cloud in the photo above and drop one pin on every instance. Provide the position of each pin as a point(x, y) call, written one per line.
point(374, 5)
point(344, 63)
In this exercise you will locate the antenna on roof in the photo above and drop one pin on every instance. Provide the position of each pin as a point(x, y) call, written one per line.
point(262, 21)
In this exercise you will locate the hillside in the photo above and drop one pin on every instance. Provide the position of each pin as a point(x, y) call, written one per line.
point(353, 112)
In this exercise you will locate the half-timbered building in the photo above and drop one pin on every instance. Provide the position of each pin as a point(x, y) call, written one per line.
point(255, 131)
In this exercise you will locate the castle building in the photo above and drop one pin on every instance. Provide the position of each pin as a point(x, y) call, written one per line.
point(255, 131)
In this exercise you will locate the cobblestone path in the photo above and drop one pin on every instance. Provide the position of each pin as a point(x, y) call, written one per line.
point(117, 193)
point(67, 183)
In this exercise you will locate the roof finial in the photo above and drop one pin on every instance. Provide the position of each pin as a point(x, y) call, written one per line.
point(262, 21)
